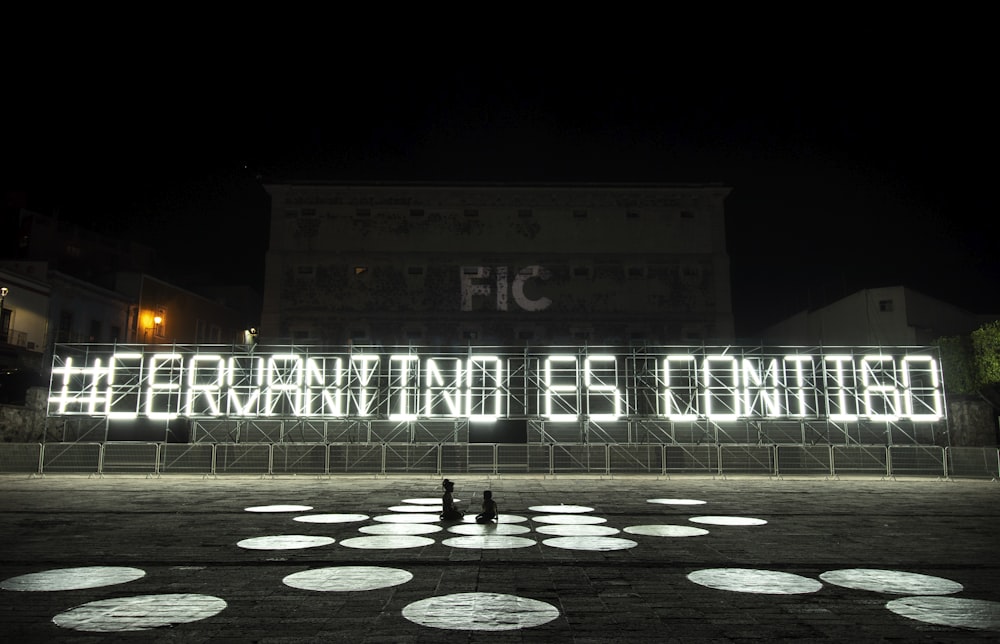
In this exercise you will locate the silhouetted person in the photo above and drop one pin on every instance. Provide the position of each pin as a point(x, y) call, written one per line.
point(448, 510)
point(490, 510)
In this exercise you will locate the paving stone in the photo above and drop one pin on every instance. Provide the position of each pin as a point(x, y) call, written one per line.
point(182, 531)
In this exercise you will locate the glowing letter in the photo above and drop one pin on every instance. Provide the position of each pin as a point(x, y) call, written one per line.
point(207, 385)
point(163, 396)
point(599, 384)
point(923, 396)
point(680, 400)
point(722, 389)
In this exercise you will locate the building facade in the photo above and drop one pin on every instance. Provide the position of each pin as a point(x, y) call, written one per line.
point(891, 315)
point(507, 264)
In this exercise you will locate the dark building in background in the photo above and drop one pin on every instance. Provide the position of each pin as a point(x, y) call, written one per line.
point(457, 264)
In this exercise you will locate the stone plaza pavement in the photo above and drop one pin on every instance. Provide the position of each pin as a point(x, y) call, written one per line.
point(183, 533)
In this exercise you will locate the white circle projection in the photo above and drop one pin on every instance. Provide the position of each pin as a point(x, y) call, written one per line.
point(489, 528)
point(728, 520)
point(387, 542)
point(577, 530)
point(489, 542)
point(73, 578)
point(331, 518)
point(279, 508)
point(428, 501)
point(415, 508)
point(666, 530)
point(949, 611)
point(347, 578)
point(891, 581)
point(139, 613)
point(569, 519)
point(400, 528)
point(750, 580)
point(556, 509)
point(480, 612)
point(602, 544)
point(470, 517)
point(407, 517)
point(676, 501)
point(285, 542)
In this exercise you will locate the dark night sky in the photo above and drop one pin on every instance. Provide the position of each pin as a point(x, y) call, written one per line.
point(847, 172)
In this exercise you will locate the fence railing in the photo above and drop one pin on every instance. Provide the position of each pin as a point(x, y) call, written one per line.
point(604, 459)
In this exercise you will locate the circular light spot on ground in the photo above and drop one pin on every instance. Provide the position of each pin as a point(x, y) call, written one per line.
point(387, 542)
point(428, 501)
point(666, 530)
point(480, 612)
point(331, 518)
point(407, 517)
point(578, 530)
point(284, 542)
point(569, 519)
point(891, 581)
point(749, 580)
point(489, 542)
point(489, 528)
point(556, 509)
point(728, 520)
point(73, 578)
point(470, 517)
point(139, 613)
point(279, 508)
point(590, 543)
point(949, 611)
point(415, 508)
point(676, 501)
point(400, 528)
point(348, 578)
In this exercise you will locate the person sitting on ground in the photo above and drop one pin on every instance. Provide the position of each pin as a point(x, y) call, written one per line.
point(490, 511)
point(448, 510)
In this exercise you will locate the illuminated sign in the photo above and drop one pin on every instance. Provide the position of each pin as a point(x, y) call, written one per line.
point(720, 384)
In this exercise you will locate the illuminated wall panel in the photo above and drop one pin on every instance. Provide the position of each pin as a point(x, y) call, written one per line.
point(486, 384)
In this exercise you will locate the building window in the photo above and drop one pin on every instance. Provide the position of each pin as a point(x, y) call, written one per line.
point(631, 214)
point(885, 306)
point(305, 272)
point(687, 214)
point(582, 271)
point(364, 213)
point(360, 270)
point(580, 214)
point(524, 213)
point(471, 212)
point(416, 271)
point(417, 212)
point(635, 272)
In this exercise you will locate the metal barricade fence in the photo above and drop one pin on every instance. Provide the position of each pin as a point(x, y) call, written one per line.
point(130, 457)
point(327, 459)
point(746, 459)
point(872, 460)
point(973, 462)
point(804, 460)
point(917, 460)
point(71, 458)
point(20, 458)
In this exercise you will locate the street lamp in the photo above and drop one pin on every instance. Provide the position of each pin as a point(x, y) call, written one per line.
point(4, 323)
